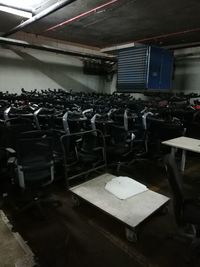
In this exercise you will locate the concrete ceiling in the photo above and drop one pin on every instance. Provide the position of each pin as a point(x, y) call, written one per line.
point(123, 21)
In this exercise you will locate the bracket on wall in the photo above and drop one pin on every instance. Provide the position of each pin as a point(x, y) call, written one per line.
point(99, 67)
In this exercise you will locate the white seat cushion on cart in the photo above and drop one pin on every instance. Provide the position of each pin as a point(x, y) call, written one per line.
point(124, 187)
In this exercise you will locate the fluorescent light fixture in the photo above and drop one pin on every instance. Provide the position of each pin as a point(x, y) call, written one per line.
point(16, 12)
point(23, 3)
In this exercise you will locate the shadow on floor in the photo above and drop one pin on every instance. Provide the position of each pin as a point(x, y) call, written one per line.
point(85, 237)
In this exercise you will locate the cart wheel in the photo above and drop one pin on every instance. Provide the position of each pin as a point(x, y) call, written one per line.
point(75, 201)
point(131, 235)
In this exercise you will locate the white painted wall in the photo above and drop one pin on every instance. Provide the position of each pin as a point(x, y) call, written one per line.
point(187, 70)
point(32, 69)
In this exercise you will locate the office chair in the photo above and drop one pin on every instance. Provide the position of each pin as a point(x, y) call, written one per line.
point(11, 130)
point(186, 209)
point(84, 153)
point(35, 169)
point(193, 130)
point(56, 145)
point(120, 148)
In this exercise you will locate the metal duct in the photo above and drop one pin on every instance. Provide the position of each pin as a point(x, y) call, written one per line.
point(7, 41)
point(39, 16)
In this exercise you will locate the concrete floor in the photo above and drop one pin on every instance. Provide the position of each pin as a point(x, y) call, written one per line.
point(13, 250)
point(85, 237)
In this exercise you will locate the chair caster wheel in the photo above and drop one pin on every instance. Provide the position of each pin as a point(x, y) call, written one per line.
point(131, 235)
point(164, 210)
point(75, 201)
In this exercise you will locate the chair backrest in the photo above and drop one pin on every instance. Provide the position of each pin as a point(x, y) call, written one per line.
point(81, 144)
point(35, 161)
point(12, 130)
point(175, 182)
point(118, 134)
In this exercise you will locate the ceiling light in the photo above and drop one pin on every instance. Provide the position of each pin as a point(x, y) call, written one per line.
point(16, 12)
point(23, 3)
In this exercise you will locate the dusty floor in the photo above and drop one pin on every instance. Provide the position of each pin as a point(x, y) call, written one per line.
point(85, 237)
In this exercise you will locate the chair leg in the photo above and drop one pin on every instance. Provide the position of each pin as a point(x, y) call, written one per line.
point(118, 167)
point(194, 256)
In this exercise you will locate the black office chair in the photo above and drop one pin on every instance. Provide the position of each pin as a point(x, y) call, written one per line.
point(186, 209)
point(12, 130)
point(35, 170)
point(84, 153)
point(56, 145)
point(120, 148)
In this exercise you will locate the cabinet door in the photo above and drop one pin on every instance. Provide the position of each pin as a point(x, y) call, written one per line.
point(132, 69)
point(155, 62)
point(166, 69)
point(160, 68)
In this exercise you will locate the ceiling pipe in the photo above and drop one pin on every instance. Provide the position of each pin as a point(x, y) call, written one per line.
point(39, 16)
point(93, 10)
point(17, 7)
point(157, 37)
point(167, 35)
point(14, 42)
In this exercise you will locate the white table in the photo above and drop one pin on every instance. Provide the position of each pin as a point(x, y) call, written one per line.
point(131, 211)
point(184, 143)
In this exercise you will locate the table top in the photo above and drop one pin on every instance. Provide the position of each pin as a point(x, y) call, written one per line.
point(185, 143)
point(131, 211)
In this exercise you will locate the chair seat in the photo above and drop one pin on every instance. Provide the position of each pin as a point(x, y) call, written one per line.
point(36, 166)
point(88, 157)
point(119, 149)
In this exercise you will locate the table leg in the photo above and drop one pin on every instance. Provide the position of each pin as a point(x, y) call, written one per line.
point(131, 234)
point(173, 151)
point(183, 160)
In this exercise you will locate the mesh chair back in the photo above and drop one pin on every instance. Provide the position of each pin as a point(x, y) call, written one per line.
point(31, 149)
point(13, 129)
point(35, 161)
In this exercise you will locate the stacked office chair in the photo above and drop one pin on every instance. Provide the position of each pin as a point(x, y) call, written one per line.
point(193, 130)
point(55, 136)
point(35, 171)
point(160, 129)
point(84, 153)
point(186, 209)
point(120, 147)
point(12, 128)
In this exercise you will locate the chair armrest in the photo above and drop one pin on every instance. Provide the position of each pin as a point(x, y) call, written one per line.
point(11, 160)
point(10, 150)
point(98, 148)
point(71, 164)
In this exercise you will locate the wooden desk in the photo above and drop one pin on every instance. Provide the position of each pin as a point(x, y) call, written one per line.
point(184, 143)
point(132, 211)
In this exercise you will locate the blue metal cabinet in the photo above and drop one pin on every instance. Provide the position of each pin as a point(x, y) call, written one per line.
point(144, 67)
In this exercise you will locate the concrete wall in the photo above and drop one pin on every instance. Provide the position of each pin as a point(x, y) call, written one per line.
point(187, 70)
point(30, 69)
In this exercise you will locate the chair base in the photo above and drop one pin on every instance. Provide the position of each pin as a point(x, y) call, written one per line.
point(37, 204)
point(189, 233)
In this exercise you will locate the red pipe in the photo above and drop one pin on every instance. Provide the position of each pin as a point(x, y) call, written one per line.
point(166, 35)
point(81, 15)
